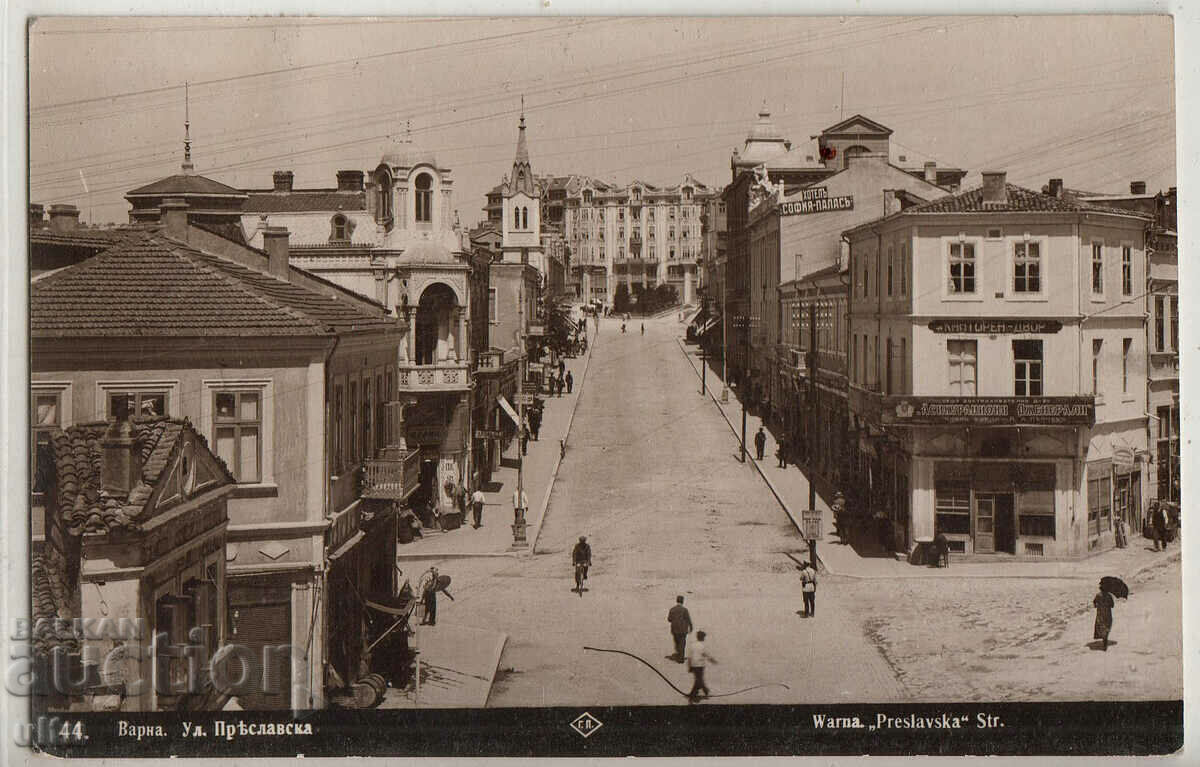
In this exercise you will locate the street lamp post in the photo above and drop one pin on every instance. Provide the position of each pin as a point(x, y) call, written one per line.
point(724, 346)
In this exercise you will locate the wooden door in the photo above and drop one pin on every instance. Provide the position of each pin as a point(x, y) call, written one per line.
point(985, 523)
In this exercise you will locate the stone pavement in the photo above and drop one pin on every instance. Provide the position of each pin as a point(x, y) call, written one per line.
point(494, 537)
point(790, 488)
point(458, 665)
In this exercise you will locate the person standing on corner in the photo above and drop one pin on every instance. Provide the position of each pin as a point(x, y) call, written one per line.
point(1103, 602)
point(760, 443)
point(477, 501)
point(681, 626)
point(808, 586)
point(430, 598)
point(570, 381)
point(643, 328)
point(697, 658)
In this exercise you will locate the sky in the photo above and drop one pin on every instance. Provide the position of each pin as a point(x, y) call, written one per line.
point(1089, 99)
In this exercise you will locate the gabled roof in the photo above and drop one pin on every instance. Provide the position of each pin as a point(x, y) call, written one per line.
point(148, 286)
point(858, 124)
point(1018, 199)
point(304, 201)
point(82, 238)
point(183, 185)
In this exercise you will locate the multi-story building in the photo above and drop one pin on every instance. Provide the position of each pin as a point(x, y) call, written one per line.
point(997, 371)
point(637, 234)
point(292, 381)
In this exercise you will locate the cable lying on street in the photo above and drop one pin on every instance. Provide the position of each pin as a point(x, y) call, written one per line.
point(672, 685)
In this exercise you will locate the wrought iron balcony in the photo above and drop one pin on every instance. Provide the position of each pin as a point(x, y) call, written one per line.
point(392, 478)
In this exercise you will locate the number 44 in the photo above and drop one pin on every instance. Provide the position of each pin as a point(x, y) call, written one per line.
point(67, 732)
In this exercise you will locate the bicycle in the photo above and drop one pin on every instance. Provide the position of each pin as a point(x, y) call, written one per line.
point(581, 569)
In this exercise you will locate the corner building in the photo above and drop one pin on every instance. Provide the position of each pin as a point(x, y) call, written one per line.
point(999, 396)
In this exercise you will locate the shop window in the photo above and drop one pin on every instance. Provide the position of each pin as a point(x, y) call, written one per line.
point(1027, 267)
point(237, 432)
point(424, 199)
point(1035, 484)
point(962, 267)
point(952, 508)
point(1167, 448)
point(963, 367)
point(1099, 499)
point(1027, 368)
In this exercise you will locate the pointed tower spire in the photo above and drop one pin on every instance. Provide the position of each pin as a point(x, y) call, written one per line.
point(187, 133)
point(522, 173)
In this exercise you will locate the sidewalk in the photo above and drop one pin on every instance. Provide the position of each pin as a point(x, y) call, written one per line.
point(494, 538)
point(790, 488)
point(458, 665)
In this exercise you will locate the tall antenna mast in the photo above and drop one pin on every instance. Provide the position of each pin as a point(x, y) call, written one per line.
point(187, 132)
point(842, 100)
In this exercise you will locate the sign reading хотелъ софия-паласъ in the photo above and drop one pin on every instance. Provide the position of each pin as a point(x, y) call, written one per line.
point(815, 200)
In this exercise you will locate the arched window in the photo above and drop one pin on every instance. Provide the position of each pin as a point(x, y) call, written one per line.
point(424, 198)
point(384, 209)
point(516, 218)
point(524, 218)
point(338, 228)
point(854, 151)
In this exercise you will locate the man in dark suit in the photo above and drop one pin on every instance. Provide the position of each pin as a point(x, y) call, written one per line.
point(681, 626)
point(760, 443)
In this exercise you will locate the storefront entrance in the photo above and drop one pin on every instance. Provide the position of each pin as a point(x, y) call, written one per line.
point(995, 527)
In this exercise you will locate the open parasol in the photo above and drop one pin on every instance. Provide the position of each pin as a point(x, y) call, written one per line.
point(1115, 586)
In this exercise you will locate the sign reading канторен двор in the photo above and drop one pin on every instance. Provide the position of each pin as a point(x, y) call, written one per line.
point(994, 325)
point(990, 411)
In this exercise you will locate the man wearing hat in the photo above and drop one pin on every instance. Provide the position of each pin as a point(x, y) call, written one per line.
point(681, 626)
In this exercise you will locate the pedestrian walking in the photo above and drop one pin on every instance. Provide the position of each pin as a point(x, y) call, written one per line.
point(808, 586)
point(524, 440)
point(562, 367)
point(570, 381)
point(561, 385)
point(430, 598)
point(535, 422)
point(520, 505)
point(781, 456)
point(681, 626)
point(477, 501)
point(1158, 521)
point(760, 443)
point(1103, 602)
point(643, 328)
point(697, 659)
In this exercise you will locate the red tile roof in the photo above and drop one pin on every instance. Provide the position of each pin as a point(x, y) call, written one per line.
point(148, 285)
point(304, 201)
point(185, 184)
point(1018, 199)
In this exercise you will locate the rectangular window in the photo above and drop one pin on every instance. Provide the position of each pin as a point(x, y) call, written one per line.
point(138, 404)
point(1027, 267)
point(962, 267)
point(1175, 323)
point(1099, 501)
point(492, 307)
point(904, 270)
point(1097, 268)
point(963, 367)
point(902, 384)
point(1126, 271)
point(339, 445)
point(1160, 318)
point(237, 432)
point(367, 417)
point(1126, 345)
point(45, 418)
point(866, 283)
point(1027, 368)
point(381, 399)
point(1097, 346)
point(952, 508)
point(352, 422)
point(890, 265)
point(854, 358)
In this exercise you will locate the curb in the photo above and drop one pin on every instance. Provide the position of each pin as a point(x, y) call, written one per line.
point(455, 555)
point(495, 667)
point(537, 533)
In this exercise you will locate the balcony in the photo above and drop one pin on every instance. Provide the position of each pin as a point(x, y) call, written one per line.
point(392, 478)
point(447, 375)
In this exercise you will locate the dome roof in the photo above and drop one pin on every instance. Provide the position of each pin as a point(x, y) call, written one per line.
point(406, 154)
point(422, 252)
point(764, 129)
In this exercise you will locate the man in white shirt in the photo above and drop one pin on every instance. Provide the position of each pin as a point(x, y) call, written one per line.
point(477, 501)
point(697, 658)
point(520, 505)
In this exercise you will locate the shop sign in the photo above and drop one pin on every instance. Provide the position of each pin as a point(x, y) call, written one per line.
point(425, 435)
point(816, 200)
point(489, 434)
point(990, 411)
point(523, 399)
point(537, 330)
point(994, 326)
point(1122, 458)
point(810, 523)
point(536, 367)
point(508, 409)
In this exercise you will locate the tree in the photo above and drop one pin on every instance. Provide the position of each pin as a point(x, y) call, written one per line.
point(621, 298)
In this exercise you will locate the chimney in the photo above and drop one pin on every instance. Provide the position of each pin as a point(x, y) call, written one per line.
point(891, 202)
point(283, 180)
point(994, 191)
point(931, 172)
point(275, 242)
point(172, 212)
point(1055, 188)
point(1137, 187)
point(350, 180)
point(119, 468)
point(36, 219)
point(64, 218)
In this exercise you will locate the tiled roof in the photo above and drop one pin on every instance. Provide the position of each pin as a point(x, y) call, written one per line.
point(230, 230)
point(84, 238)
point(148, 285)
point(1018, 199)
point(185, 184)
point(52, 600)
point(304, 201)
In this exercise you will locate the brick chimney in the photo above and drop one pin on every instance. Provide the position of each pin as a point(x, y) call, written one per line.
point(1137, 187)
point(64, 218)
point(36, 216)
point(173, 213)
point(931, 172)
point(275, 242)
point(350, 180)
point(283, 180)
point(119, 467)
point(1055, 188)
point(994, 191)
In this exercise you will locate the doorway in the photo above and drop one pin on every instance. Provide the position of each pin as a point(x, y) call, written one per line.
point(995, 523)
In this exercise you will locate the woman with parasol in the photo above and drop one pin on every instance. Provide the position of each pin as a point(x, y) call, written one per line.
point(1103, 602)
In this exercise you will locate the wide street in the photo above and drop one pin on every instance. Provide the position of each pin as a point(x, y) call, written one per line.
point(651, 477)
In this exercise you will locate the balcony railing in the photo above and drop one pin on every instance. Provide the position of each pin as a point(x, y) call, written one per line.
point(447, 375)
point(392, 478)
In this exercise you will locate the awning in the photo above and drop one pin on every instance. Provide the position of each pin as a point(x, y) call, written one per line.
point(689, 319)
point(709, 326)
point(345, 547)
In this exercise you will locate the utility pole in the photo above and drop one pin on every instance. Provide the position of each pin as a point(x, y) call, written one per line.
point(703, 370)
point(746, 331)
point(812, 407)
point(724, 346)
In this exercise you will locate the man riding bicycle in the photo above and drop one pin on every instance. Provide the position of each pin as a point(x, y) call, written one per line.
point(581, 556)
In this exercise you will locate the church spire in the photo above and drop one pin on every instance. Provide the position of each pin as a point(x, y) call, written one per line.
point(187, 134)
point(522, 173)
